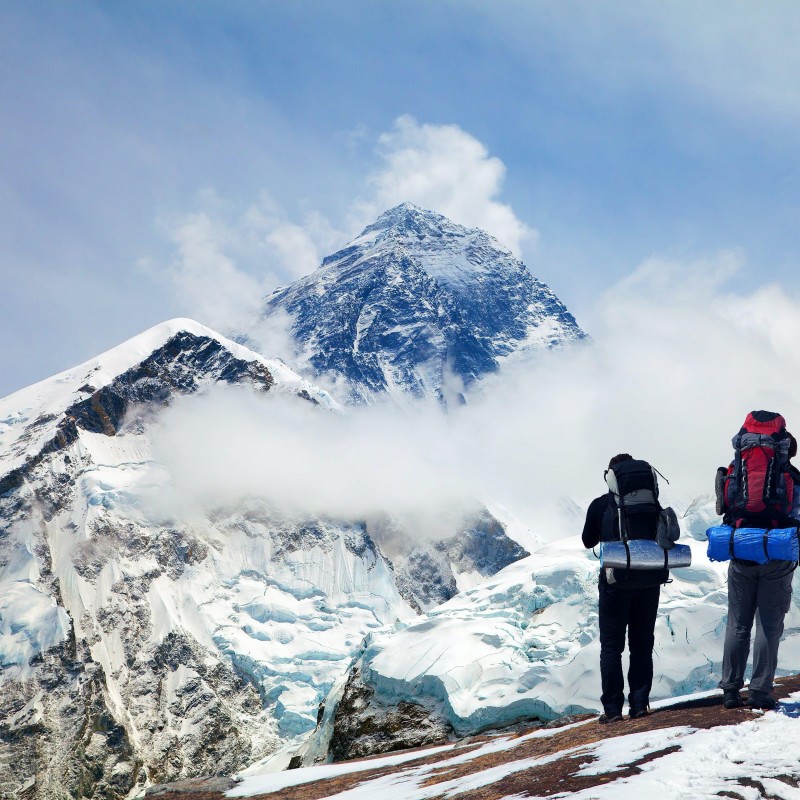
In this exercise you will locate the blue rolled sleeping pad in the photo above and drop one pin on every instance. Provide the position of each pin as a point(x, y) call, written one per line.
point(753, 544)
point(644, 554)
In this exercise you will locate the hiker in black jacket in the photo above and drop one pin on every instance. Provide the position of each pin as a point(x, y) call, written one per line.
point(630, 605)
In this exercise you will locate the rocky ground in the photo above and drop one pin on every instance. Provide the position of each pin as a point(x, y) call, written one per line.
point(570, 757)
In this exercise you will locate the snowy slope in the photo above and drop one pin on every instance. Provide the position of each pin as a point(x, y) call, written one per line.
point(417, 304)
point(135, 645)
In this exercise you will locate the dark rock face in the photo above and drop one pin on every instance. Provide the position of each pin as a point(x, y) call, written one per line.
point(69, 744)
point(415, 299)
point(363, 726)
point(484, 546)
point(426, 574)
point(426, 578)
point(181, 366)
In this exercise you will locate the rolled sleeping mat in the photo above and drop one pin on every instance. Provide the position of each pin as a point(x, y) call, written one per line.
point(644, 554)
point(782, 545)
point(720, 543)
point(753, 544)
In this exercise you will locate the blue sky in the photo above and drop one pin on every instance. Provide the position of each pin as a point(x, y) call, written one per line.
point(151, 151)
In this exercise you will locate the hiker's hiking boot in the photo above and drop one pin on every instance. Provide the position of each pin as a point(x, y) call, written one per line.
point(732, 699)
point(638, 713)
point(610, 716)
point(759, 700)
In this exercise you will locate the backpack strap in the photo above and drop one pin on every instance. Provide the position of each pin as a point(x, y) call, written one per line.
point(623, 527)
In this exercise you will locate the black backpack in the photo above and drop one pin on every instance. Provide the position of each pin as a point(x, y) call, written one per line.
point(633, 513)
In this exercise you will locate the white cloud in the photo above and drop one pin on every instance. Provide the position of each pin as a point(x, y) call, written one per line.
point(206, 280)
point(675, 365)
point(306, 460)
point(272, 336)
point(291, 249)
point(225, 263)
point(445, 169)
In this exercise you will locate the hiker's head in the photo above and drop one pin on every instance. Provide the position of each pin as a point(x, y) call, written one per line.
point(618, 459)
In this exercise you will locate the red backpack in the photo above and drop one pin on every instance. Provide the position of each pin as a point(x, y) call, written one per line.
point(757, 489)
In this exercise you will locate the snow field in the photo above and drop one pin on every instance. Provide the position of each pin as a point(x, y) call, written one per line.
point(253, 784)
point(709, 761)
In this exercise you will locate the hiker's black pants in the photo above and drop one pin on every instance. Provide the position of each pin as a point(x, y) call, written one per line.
point(633, 610)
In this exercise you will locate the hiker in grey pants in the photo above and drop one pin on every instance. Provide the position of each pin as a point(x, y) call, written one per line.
point(759, 489)
point(763, 592)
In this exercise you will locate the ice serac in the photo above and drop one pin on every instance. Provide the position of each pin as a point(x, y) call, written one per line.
point(524, 644)
point(418, 304)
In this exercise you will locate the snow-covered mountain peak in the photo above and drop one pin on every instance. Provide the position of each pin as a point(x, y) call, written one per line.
point(451, 254)
point(415, 299)
point(99, 371)
point(418, 230)
point(406, 216)
point(177, 356)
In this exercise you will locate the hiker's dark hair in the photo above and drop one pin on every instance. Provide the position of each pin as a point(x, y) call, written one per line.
point(618, 459)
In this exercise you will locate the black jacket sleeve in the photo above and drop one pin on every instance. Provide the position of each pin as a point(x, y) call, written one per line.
point(593, 527)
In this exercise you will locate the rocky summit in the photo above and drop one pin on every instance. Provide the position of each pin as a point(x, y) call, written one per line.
point(418, 304)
